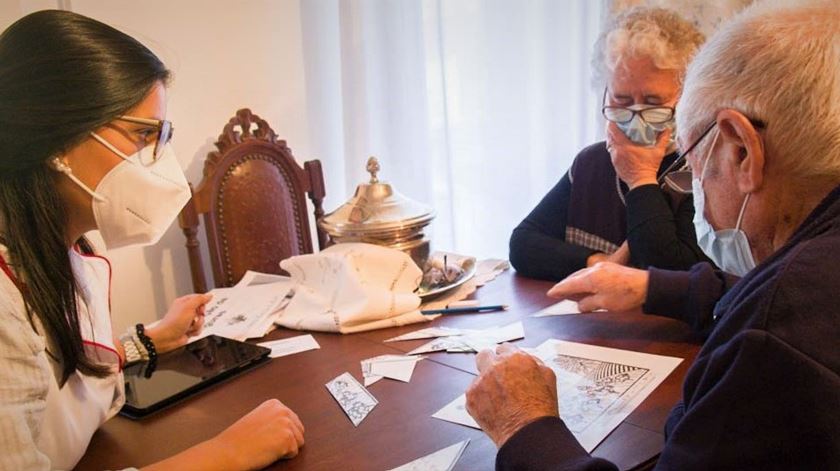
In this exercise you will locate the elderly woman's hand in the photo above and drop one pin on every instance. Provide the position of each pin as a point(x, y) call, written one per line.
point(512, 390)
point(636, 165)
point(621, 256)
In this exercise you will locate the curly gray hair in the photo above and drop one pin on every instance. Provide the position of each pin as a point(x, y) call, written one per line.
point(669, 40)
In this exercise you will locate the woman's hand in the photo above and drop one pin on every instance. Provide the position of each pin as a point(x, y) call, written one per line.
point(268, 433)
point(621, 256)
point(636, 165)
point(184, 320)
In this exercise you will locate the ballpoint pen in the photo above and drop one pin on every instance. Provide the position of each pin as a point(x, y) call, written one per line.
point(465, 310)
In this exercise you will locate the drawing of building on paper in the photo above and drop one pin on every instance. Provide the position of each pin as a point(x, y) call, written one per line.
point(589, 388)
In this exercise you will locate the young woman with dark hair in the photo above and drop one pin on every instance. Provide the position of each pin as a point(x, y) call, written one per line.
point(84, 146)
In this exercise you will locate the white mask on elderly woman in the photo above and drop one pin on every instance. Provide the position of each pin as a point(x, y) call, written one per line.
point(641, 132)
point(729, 249)
point(136, 201)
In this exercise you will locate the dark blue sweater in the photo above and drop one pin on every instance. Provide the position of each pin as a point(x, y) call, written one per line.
point(590, 211)
point(764, 391)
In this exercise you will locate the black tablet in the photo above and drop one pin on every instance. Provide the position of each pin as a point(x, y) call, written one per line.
point(185, 371)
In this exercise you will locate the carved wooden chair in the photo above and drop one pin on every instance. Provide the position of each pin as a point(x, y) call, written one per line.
point(251, 199)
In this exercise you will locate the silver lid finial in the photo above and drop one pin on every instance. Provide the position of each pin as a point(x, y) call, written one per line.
point(373, 168)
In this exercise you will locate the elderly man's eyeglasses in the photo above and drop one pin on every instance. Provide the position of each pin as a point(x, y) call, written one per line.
point(164, 131)
point(680, 180)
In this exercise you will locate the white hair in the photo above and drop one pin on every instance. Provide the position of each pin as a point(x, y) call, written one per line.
point(777, 62)
point(662, 35)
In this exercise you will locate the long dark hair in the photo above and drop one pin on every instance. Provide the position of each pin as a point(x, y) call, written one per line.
point(62, 75)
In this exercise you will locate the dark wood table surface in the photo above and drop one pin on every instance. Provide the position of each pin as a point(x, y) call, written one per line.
point(400, 428)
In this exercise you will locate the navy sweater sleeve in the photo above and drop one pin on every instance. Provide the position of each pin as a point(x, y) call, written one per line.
point(689, 296)
point(546, 444)
point(658, 235)
point(538, 246)
point(757, 403)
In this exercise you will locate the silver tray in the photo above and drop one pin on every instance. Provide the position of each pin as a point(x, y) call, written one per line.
point(466, 276)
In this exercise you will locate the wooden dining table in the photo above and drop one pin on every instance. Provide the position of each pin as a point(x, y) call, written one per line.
point(401, 428)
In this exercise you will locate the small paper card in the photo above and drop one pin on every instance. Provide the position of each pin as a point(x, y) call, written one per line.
point(441, 460)
point(473, 340)
point(427, 333)
point(356, 401)
point(399, 367)
point(563, 308)
point(283, 347)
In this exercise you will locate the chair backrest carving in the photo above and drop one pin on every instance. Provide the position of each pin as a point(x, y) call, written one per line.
point(252, 202)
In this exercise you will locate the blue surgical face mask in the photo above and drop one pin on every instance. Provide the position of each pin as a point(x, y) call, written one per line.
point(641, 132)
point(729, 249)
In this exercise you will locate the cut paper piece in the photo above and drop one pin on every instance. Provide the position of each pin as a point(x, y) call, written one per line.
point(597, 387)
point(473, 340)
point(253, 278)
point(354, 399)
point(441, 460)
point(490, 337)
point(427, 333)
point(290, 346)
point(449, 344)
point(456, 412)
point(563, 308)
point(398, 367)
point(244, 312)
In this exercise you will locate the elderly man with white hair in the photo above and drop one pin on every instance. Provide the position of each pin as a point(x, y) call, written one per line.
point(760, 125)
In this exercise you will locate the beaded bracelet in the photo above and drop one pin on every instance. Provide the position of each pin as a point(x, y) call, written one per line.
point(146, 341)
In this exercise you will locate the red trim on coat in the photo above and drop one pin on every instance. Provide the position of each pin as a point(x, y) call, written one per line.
point(5, 267)
point(112, 350)
point(10, 274)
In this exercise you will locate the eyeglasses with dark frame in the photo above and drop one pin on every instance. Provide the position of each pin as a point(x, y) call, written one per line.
point(164, 130)
point(680, 180)
point(622, 114)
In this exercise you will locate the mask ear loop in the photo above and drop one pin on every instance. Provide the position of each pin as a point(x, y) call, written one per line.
point(60, 166)
point(741, 214)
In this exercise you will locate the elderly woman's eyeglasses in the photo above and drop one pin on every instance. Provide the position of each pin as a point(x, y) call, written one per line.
point(652, 115)
point(164, 132)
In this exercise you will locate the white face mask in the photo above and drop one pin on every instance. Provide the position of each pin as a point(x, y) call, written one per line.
point(728, 248)
point(135, 203)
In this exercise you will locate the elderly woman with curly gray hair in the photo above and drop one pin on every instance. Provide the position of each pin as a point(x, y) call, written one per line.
point(614, 203)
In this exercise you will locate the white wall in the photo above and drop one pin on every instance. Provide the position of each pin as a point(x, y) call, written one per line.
point(225, 55)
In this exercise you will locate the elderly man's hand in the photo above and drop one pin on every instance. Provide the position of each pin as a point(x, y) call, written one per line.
point(512, 390)
point(604, 286)
point(636, 165)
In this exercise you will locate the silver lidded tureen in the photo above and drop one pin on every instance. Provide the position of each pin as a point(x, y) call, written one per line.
point(378, 214)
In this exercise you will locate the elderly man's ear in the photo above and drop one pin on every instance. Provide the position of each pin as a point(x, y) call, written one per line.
point(743, 149)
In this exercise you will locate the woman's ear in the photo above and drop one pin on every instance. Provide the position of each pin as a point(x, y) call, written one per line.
point(746, 149)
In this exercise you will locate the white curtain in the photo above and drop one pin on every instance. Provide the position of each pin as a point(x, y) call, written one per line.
point(475, 107)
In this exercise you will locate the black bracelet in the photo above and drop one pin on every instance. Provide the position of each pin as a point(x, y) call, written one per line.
point(146, 341)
